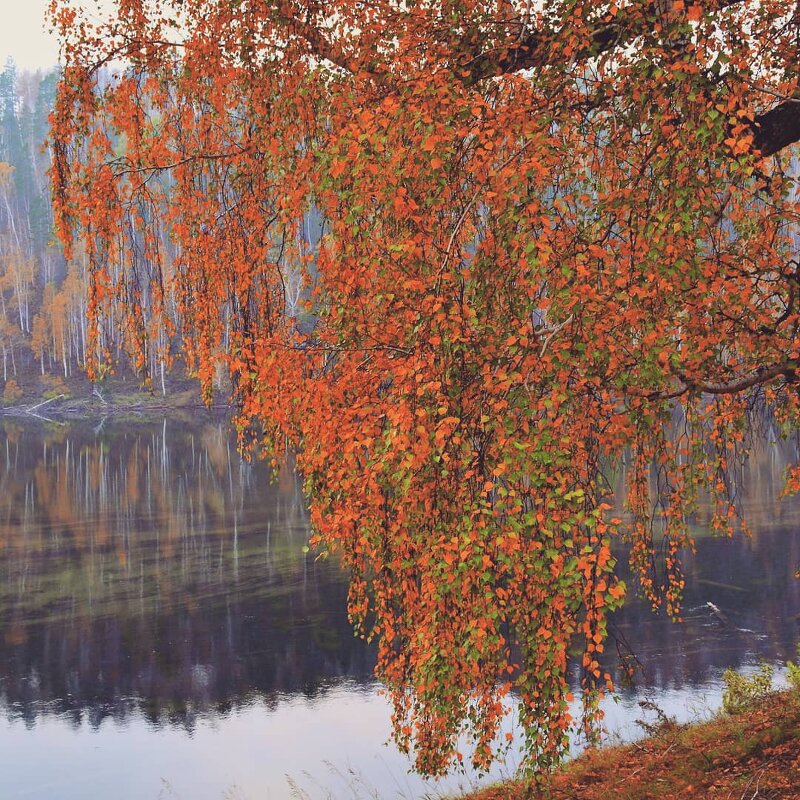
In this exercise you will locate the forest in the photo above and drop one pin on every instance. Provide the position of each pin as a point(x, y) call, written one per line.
point(43, 313)
point(44, 296)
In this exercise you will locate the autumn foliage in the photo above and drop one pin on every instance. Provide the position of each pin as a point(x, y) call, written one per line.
point(467, 257)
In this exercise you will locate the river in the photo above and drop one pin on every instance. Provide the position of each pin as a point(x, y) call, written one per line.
point(163, 634)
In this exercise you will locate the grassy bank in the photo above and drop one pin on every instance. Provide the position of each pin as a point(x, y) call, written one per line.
point(753, 755)
point(29, 392)
point(77, 398)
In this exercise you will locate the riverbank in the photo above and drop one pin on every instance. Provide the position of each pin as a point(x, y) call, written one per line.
point(754, 755)
point(78, 401)
point(30, 394)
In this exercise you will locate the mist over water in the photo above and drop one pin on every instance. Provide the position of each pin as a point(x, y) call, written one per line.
point(163, 634)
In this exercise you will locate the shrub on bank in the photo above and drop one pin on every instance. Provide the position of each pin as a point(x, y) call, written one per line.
point(12, 392)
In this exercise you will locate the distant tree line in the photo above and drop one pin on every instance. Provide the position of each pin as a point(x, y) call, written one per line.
point(44, 341)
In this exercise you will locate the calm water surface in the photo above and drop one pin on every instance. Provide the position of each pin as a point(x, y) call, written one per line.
point(163, 635)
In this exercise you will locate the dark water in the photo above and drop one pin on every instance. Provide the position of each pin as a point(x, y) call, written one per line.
point(163, 634)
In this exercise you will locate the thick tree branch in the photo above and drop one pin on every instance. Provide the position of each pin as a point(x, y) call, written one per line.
point(536, 50)
point(777, 128)
point(756, 377)
point(772, 131)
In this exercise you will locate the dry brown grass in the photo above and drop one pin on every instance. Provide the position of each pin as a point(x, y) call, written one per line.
point(754, 755)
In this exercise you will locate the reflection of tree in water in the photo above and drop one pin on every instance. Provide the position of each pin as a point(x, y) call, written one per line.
point(149, 567)
point(751, 579)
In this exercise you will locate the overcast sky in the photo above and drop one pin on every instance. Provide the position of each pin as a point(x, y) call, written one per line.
point(23, 36)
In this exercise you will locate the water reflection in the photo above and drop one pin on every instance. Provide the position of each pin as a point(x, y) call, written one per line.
point(147, 567)
point(749, 580)
point(154, 596)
